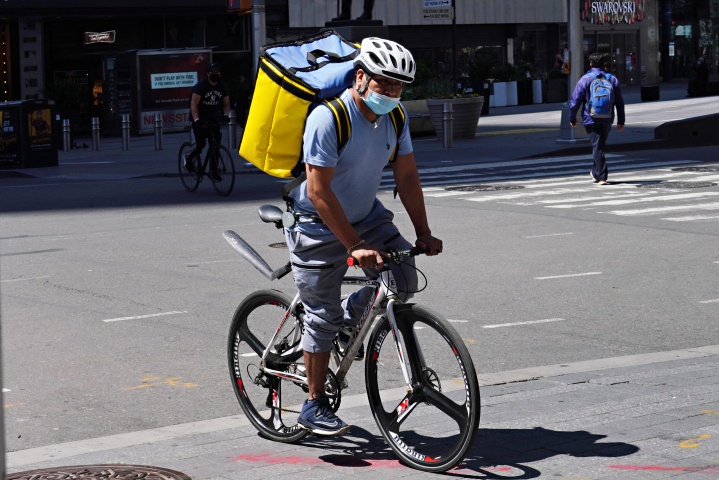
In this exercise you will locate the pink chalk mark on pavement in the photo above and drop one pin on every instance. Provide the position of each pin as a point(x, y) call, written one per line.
point(708, 468)
point(350, 462)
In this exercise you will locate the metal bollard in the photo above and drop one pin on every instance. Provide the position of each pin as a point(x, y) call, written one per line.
point(232, 130)
point(448, 139)
point(66, 141)
point(125, 132)
point(158, 132)
point(95, 134)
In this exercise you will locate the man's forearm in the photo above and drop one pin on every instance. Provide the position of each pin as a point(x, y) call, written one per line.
point(193, 111)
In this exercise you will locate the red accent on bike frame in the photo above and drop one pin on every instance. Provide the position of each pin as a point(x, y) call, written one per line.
point(239, 384)
point(375, 356)
point(430, 460)
point(453, 349)
point(272, 302)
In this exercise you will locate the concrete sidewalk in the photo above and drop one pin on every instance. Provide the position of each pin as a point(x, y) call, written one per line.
point(623, 417)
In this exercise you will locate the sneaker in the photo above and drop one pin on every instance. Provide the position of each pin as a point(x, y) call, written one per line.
point(189, 164)
point(344, 336)
point(602, 182)
point(594, 180)
point(317, 417)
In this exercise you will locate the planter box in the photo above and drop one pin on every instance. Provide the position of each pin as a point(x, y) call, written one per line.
point(512, 99)
point(536, 91)
point(500, 94)
point(524, 92)
point(419, 120)
point(465, 115)
point(557, 90)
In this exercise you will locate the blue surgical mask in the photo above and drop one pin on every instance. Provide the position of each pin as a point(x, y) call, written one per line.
point(380, 104)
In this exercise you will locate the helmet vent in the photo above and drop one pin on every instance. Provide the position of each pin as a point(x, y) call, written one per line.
point(389, 47)
point(375, 59)
point(400, 49)
point(411, 65)
point(376, 44)
point(404, 64)
point(394, 62)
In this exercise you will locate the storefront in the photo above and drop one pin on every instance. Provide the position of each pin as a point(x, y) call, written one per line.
point(626, 32)
point(693, 32)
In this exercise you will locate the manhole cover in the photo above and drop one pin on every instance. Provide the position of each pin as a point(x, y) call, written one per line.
point(278, 245)
point(678, 185)
point(483, 188)
point(696, 169)
point(100, 472)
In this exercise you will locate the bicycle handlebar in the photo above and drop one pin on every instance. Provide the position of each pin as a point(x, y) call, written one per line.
point(395, 256)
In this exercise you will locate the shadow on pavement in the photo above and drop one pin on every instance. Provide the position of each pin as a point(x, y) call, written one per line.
point(497, 453)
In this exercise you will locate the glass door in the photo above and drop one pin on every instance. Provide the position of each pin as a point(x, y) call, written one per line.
point(618, 65)
point(632, 59)
point(621, 54)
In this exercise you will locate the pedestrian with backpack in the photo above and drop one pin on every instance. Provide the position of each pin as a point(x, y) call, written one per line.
point(600, 94)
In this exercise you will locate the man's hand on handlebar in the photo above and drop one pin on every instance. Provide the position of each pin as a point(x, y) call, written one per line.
point(369, 257)
point(199, 122)
point(427, 242)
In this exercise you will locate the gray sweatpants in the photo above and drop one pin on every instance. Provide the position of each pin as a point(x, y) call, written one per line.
point(320, 262)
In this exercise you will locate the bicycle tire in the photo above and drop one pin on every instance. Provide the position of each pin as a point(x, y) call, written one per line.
point(427, 400)
point(249, 394)
point(225, 168)
point(190, 180)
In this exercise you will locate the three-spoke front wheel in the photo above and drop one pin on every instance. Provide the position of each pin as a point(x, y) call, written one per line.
point(433, 427)
point(271, 404)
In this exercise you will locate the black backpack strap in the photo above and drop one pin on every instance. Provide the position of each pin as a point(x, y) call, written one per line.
point(398, 120)
point(343, 128)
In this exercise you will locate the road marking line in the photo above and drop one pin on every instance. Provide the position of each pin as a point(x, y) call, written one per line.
point(510, 196)
point(251, 354)
point(692, 218)
point(85, 163)
point(150, 436)
point(521, 130)
point(14, 405)
point(138, 317)
point(716, 300)
point(5, 390)
point(587, 199)
point(465, 321)
point(674, 196)
point(712, 412)
point(523, 323)
point(550, 235)
point(652, 211)
point(686, 444)
point(567, 276)
point(213, 261)
point(21, 279)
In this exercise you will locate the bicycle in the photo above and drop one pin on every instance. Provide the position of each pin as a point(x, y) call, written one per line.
point(219, 158)
point(417, 383)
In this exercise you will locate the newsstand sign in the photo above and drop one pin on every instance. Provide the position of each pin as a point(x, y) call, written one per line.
point(103, 37)
point(612, 11)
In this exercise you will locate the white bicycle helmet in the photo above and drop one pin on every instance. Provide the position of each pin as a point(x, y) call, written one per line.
point(385, 57)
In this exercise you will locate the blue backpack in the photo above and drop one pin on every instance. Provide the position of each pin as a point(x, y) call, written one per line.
point(601, 96)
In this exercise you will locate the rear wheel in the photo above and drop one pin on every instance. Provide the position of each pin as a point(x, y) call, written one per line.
point(222, 171)
point(271, 404)
point(190, 178)
point(432, 428)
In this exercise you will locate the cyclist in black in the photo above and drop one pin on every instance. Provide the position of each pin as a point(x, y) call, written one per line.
point(210, 102)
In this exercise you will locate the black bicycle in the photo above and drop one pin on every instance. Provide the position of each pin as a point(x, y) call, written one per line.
point(221, 169)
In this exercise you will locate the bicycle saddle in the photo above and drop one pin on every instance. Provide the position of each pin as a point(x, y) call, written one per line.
point(270, 214)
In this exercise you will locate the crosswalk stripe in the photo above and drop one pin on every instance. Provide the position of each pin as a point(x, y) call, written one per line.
point(587, 199)
point(652, 211)
point(692, 218)
point(674, 196)
point(452, 180)
point(559, 191)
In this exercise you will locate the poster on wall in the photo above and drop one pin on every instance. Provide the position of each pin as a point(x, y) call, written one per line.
point(9, 147)
point(166, 81)
point(612, 11)
point(40, 129)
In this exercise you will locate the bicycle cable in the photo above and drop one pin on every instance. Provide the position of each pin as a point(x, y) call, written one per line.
point(400, 264)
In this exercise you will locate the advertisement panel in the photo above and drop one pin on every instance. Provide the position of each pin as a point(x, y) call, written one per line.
point(166, 81)
point(40, 129)
point(612, 11)
point(9, 145)
point(171, 119)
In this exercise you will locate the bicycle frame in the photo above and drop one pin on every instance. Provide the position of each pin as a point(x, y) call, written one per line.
point(385, 291)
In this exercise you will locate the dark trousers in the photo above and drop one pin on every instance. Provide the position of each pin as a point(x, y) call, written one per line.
point(598, 134)
point(201, 136)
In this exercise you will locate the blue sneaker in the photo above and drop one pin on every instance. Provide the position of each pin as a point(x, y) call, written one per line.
point(318, 418)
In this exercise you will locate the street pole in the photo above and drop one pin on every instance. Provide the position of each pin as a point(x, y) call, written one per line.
point(259, 30)
point(567, 133)
point(666, 38)
point(454, 42)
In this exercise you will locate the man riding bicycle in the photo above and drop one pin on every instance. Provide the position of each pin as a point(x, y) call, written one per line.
point(210, 102)
point(342, 215)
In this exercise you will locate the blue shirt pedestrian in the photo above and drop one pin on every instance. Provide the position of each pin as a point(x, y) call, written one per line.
point(581, 97)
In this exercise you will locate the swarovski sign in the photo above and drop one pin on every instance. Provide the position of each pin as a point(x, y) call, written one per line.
point(612, 11)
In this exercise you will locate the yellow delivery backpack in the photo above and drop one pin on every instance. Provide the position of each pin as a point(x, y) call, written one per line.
point(293, 78)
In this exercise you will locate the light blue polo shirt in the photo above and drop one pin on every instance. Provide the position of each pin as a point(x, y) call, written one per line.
point(358, 167)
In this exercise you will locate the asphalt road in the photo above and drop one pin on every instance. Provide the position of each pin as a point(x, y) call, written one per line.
point(605, 279)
